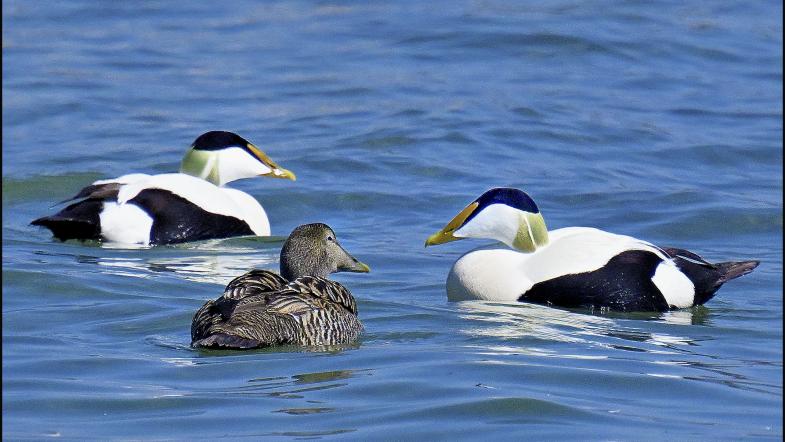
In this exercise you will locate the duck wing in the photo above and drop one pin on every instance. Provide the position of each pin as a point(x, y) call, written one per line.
point(325, 289)
point(107, 189)
point(96, 191)
point(254, 282)
point(246, 288)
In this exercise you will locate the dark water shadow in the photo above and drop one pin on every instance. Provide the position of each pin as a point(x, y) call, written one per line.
point(324, 349)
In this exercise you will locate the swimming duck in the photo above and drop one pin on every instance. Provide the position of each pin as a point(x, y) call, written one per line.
point(573, 266)
point(300, 306)
point(174, 207)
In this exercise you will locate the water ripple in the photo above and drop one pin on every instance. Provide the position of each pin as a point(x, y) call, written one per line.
point(658, 120)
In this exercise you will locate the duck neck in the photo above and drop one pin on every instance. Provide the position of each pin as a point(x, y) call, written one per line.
point(531, 234)
point(202, 164)
point(295, 262)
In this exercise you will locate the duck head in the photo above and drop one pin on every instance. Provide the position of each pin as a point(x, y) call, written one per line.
point(221, 157)
point(313, 250)
point(504, 214)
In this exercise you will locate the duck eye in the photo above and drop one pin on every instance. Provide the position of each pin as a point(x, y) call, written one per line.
point(330, 238)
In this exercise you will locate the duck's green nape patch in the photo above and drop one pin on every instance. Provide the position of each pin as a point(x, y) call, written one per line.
point(201, 164)
point(532, 232)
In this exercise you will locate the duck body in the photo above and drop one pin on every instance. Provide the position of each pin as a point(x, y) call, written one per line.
point(174, 207)
point(158, 209)
point(261, 309)
point(617, 272)
point(302, 307)
point(574, 266)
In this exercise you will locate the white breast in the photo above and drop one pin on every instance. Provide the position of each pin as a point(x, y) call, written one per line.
point(250, 211)
point(491, 273)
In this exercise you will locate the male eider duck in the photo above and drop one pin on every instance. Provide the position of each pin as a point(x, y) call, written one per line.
point(298, 307)
point(174, 207)
point(574, 266)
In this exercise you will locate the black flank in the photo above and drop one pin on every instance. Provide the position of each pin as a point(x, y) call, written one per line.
point(623, 284)
point(176, 220)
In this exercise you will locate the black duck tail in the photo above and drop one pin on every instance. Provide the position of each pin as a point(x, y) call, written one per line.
point(733, 269)
point(77, 221)
point(708, 277)
point(65, 229)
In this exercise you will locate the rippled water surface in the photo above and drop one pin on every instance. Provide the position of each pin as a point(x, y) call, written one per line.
point(661, 120)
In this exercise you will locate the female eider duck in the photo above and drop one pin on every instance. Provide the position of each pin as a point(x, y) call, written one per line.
point(174, 207)
point(573, 266)
point(298, 307)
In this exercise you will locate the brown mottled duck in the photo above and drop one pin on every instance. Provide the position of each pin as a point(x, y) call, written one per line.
point(298, 307)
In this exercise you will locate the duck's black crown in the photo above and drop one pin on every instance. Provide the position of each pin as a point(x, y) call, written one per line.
point(504, 195)
point(219, 139)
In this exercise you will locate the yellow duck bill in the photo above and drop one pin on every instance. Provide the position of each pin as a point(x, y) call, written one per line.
point(447, 233)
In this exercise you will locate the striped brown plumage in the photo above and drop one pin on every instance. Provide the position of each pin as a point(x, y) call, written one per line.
point(260, 309)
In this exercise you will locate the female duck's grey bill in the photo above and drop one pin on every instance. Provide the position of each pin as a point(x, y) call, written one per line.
point(351, 264)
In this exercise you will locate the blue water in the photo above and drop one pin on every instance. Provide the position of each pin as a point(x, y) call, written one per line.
point(660, 120)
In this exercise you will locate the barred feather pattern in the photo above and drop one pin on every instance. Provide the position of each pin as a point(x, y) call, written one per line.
point(254, 282)
point(258, 310)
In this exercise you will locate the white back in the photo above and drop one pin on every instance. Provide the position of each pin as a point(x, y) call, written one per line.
point(125, 179)
point(196, 190)
point(578, 250)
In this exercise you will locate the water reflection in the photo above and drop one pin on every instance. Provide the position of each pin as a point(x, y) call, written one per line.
point(215, 269)
point(323, 349)
point(306, 410)
point(295, 386)
point(671, 356)
point(544, 323)
point(214, 261)
point(325, 376)
point(698, 315)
